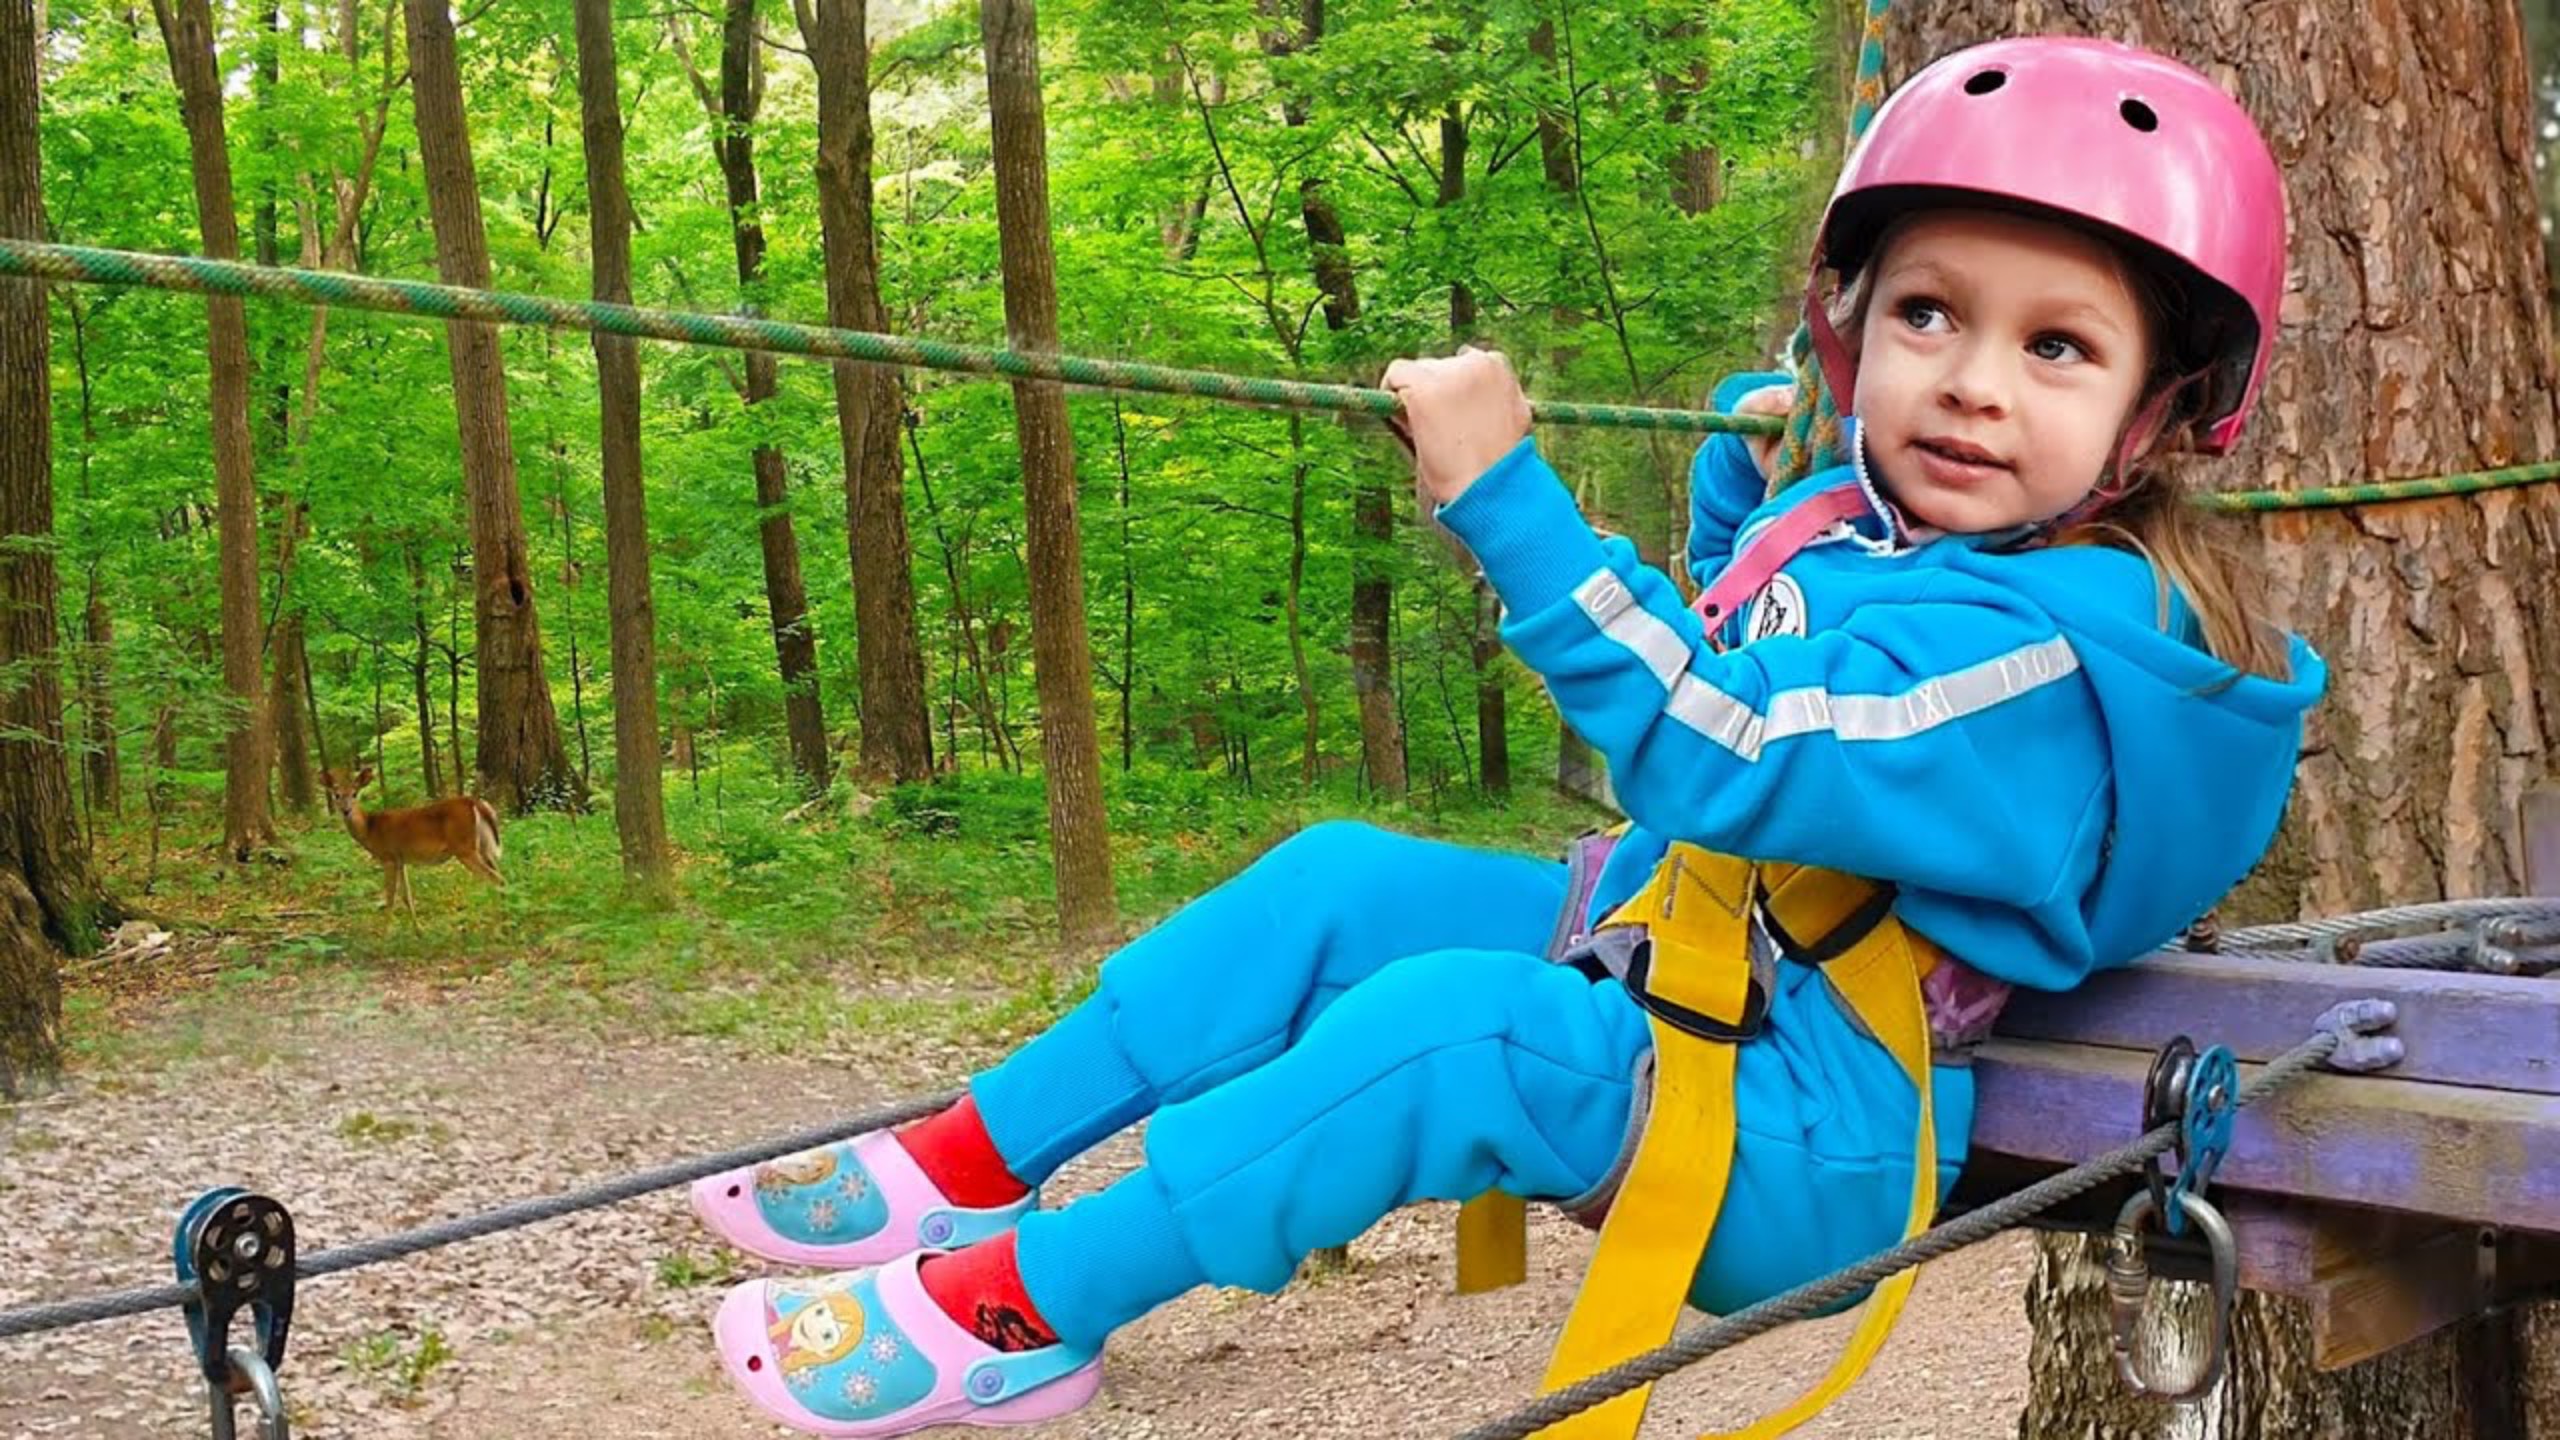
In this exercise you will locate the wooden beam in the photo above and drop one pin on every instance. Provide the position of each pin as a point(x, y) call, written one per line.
point(2499, 1032)
point(2463, 1155)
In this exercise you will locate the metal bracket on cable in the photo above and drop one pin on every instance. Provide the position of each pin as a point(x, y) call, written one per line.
point(237, 1250)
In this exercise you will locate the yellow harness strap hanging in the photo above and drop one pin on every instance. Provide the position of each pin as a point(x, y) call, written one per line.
point(1696, 983)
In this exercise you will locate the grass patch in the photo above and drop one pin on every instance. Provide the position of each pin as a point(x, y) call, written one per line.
point(398, 1361)
point(924, 910)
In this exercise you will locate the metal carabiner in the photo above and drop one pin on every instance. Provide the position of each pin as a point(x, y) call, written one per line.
point(2129, 1294)
point(250, 1366)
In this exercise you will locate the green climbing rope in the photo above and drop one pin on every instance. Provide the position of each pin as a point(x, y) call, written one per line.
point(88, 265)
point(2377, 492)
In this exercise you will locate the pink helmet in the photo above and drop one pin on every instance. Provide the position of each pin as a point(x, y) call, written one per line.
point(2093, 131)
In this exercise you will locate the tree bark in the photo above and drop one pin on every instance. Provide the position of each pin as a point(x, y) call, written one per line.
point(186, 27)
point(1079, 833)
point(522, 761)
point(795, 644)
point(639, 804)
point(49, 903)
point(897, 732)
point(2416, 341)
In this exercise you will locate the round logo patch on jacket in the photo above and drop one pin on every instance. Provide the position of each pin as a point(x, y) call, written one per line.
point(1778, 609)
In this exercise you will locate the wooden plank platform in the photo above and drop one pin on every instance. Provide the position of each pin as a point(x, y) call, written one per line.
point(2450, 1152)
point(2497, 1032)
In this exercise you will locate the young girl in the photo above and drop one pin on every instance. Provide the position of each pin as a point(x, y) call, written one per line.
point(1990, 664)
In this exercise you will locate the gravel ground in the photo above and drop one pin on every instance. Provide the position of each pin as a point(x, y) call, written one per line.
point(378, 1116)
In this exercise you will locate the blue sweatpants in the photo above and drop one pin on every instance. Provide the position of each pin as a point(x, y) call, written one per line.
point(1361, 1020)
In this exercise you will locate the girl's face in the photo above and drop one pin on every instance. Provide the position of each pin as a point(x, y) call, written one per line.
point(2000, 359)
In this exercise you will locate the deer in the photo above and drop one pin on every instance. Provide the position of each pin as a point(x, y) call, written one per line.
point(459, 827)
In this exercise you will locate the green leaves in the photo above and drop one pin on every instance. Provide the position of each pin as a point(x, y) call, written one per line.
point(1186, 138)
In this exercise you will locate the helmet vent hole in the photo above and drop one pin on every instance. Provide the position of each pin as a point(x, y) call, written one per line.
point(2139, 116)
point(1983, 82)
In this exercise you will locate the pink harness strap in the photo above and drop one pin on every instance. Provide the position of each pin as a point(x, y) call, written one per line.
point(1770, 550)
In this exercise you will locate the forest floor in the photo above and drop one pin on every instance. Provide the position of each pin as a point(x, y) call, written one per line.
point(371, 1086)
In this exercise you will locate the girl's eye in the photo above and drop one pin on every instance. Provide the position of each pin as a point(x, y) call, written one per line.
point(2061, 349)
point(1926, 316)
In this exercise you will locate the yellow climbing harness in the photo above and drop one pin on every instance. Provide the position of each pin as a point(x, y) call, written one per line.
point(1695, 980)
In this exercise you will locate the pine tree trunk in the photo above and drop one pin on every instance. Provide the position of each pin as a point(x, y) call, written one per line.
point(795, 644)
point(186, 26)
point(639, 804)
point(48, 902)
point(1079, 833)
point(2416, 341)
point(897, 733)
point(522, 760)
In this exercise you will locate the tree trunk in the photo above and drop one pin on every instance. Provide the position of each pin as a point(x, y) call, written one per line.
point(1128, 678)
point(422, 674)
point(292, 669)
point(795, 644)
point(1697, 169)
point(522, 761)
point(186, 26)
point(1079, 832)
point(1578, 768)
point(1555, 140)
point(49, 904)
point(97, 669)
point(2416, 341)
point(292, 746)
point(897, 733)
point(284, 707)
point(639, 806)
point(98, 706)
point(1373, 504)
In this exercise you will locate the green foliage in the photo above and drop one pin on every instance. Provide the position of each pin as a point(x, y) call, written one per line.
point(400, 1361)
point(1183, 144)
point(1182, 140)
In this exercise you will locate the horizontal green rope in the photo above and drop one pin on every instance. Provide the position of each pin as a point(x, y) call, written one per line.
point(2377, 492)
point(88, 265)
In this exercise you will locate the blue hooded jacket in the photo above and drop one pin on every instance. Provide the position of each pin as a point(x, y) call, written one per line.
point(2032, 744)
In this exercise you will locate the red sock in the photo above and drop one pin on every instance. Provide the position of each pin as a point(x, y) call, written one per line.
point(980, 1288)
point(956, 1154)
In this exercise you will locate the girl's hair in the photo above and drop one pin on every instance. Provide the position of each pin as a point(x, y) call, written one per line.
point(2149, 514)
